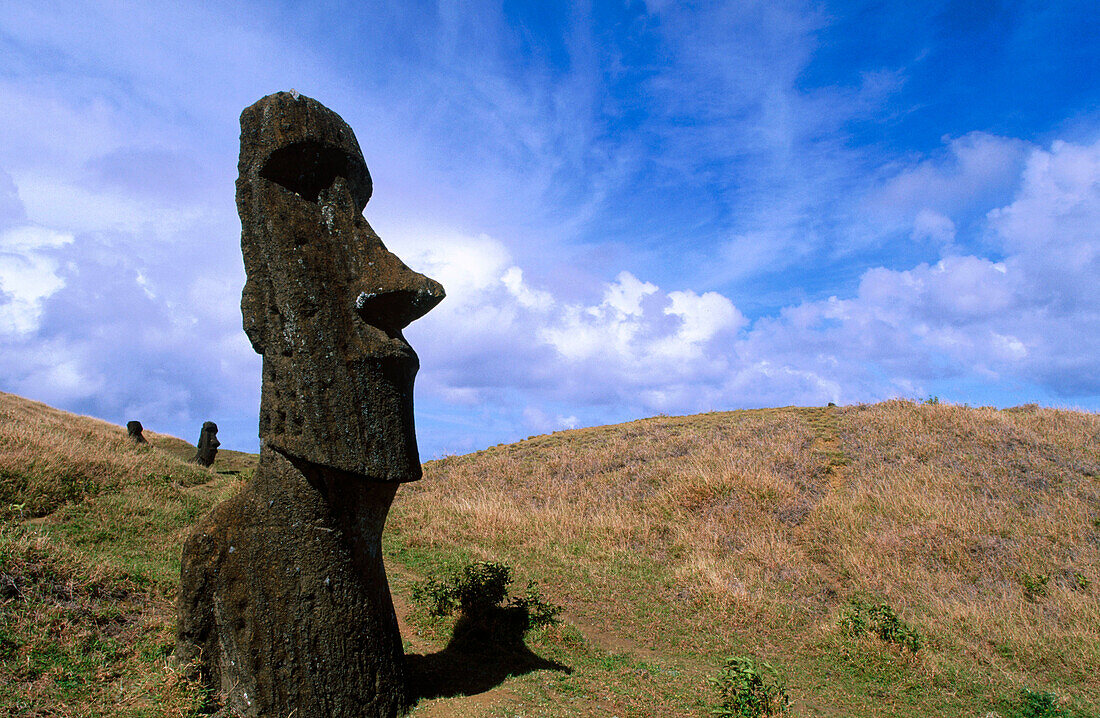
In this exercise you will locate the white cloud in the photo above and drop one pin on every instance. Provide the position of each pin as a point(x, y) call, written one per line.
point(613, 331)
point(972, 169)
point(46, 123)
point(11, 208)
point(62, 379)
point(1032, 317)
point(763, 251)
point(637, 345)
point(536, 419)
point(29, 239)
point(28, 275)
point(1054, 218)
point(931, 197)
point(576, 336)
point(933, 226)
point(702, 317)
point(526, 296)
point(625, 295)
point(52, 200)
point(495, 328)
point(466, 265)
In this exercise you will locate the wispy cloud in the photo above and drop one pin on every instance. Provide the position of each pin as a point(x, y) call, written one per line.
point(652, 207)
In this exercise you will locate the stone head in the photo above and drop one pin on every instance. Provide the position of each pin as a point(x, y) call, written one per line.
point(207, 449)
point(325, 302)
point(208, 437)
point(133, 431)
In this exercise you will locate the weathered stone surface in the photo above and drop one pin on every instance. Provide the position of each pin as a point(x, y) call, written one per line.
point(284, 599)
point(133, 431)
point(284, 602)
point(207, 449)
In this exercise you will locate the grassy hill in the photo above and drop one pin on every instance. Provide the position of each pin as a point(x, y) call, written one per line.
point(672, 543)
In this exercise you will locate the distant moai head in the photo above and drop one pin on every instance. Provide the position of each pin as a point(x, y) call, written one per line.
point(325, 301)
point(133, 430)
point(208, 444)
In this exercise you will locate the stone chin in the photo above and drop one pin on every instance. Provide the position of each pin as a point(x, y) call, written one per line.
point(357, 416)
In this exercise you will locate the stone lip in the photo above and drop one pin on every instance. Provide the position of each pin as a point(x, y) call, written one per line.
point(325, 301)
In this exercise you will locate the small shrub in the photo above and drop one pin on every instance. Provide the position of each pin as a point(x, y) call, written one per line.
point(748, 689)
point(480, 587)
point(473, 589)
point(932, 400)
point(890, 628)
point(882, 620)
point(539, 611)
point(853, 620)
point(1035, 585)
point(1038, 704)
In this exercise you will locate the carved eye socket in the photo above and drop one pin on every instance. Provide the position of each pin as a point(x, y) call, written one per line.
point(306, 168)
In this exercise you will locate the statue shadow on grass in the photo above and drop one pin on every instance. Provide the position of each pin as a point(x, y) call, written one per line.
point(483, 651)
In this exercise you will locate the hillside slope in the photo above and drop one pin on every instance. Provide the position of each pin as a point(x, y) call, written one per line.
point(90, 526)
point(678, 541)
point(671, 542)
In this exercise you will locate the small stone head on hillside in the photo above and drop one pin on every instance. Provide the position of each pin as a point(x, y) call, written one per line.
point(325, 301)
point(133, 432)
point(207, 449)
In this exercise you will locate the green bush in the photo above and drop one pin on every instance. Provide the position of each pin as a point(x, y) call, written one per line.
point(539, 611)
point(748, 689)
point(854, 620)
point(1038, 704)
point(478, 588)
point(1035, 585)
point(882, 620)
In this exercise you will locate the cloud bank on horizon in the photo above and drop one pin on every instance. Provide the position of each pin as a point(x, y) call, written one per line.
point(635, 209)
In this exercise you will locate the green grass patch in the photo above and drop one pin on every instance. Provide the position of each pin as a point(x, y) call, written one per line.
point(73, 635)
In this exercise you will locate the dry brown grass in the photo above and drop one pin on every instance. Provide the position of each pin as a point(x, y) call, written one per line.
point(717, 498)
point(49, 457)
point(947, 510)
point(90, 530)
point(750, 530)
point(672, 542)
point(72, 634)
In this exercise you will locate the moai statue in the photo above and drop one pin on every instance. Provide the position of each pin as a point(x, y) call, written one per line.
point(208, 444)
point(133, 432)
point(283, 598)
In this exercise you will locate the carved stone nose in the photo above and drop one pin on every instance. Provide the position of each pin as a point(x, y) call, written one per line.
point(394, 306)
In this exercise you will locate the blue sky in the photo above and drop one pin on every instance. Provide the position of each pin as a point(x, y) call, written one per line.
point(636, 208)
